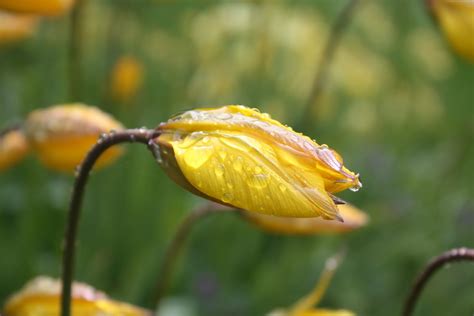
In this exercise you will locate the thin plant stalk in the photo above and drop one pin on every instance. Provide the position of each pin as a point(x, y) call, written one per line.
point(106, 141)
point(321, 76)
point(313, 298)
point(175, 247)
point(453, 255)
point(75, 50)
point(10, 128)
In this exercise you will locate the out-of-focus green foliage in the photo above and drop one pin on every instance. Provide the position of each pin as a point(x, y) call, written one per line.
point(398, 106)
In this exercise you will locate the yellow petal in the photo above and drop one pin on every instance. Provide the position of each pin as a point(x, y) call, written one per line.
point(126, 79)
point(326, 312)
point(243, 158)
point(40, 297)
point(41, 7)
point(242, 172)
point(456, 19)
point(353, 219)
point(62, 135)
point(15, 27)
point(13, 147)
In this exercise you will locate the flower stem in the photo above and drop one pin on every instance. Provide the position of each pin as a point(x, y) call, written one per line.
point(176, 245)
point(75, 50)
point(106, 141)
point(453, 255)
point(320, 78)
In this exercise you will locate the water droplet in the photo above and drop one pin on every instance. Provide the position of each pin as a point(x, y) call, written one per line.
point(227, 197)
point(196, 156)
point(282, 187)
point(258, 181)
point(238, 164)
point(77, 170)
point(219, 170)
point(222, 154)
point(354, 189)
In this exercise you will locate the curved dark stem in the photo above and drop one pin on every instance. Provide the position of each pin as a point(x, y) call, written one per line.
point(10, 128)
point(176, 245)
point(320, 78)
point(75, 50)
point(106, 141)
point(453, 255)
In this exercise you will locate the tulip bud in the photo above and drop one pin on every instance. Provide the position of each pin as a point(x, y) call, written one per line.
point(62, 135)
point(353, 219)
point(126, 79)
point(456, 19)
point(42, 7)
point(240, 157)
point(41, 297)
point(13, 147)
point(16, 27)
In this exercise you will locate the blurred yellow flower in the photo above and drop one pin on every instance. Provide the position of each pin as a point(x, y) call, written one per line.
point(40, 297)
point(353, 219)
point(126, 79)
point(241, 157)
point(13, 147)
point(62, 135)
point(41, 7)
point(15, 27)
point(456, 19)
point(306, 305)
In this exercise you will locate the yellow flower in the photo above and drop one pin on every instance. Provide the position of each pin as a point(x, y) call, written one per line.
point(306, 305)
point(13, 147)
point(40, 297)
point(353, 219)
point(456, 19)
point(126, 79)
point(241, 157)
point(43, 7)
point(62, 135)
point(15, 27)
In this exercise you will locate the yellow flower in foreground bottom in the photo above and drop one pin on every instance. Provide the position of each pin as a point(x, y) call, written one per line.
point(241, 157)
point(40, 297)
point(126, 79)
point(41, 7)
point(305, 306)
point(15, 27)
point(13, 147)
point(456, 19)
point(62, 135)
point(353, 219)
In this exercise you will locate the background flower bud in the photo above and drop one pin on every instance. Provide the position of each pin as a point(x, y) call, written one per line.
point(16, 27)
point(456, 19)
point(41, 297)
point(353, 219)
point(62, 135)
point(126, 79)
point(13, 147)
point(243, 158)
point(43, 7)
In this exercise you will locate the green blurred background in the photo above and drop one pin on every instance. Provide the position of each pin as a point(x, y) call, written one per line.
point(398, 106)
